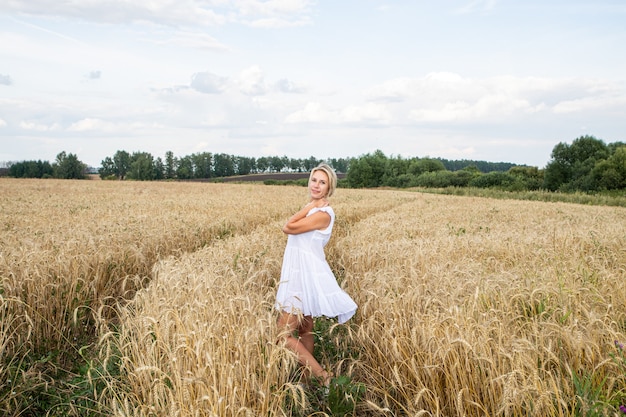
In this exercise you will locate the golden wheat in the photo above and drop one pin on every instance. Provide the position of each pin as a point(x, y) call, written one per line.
point(487, 302)
point(79, 245)
point(467, 306)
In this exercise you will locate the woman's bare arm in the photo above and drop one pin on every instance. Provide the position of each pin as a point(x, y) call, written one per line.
point(300, 223)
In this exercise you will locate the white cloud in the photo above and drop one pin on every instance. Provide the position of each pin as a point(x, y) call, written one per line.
point(208, 83)
point(175, 73)
point(257, 13)
point(274, 7)
point(275, 13)
point(598, 102)
point(252, 81)
point(272, 23)
point(190, 39)
point(94, 75)
point(316, 112)
point(435, 86)
point(40, 127)
point(90, 124)
point(369, 113)
point(397, 89)
point(169, 12)
point(490, 107)
point(313, 112)
point(103, 127)
point(447, 97)
point(215, 119)
point(287, 86)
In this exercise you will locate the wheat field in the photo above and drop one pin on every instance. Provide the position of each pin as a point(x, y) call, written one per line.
point(467, 306)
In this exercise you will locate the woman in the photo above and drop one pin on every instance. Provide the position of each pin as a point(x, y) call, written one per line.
point(307, 286)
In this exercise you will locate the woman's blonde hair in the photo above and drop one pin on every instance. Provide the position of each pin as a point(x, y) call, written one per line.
point(332, 177)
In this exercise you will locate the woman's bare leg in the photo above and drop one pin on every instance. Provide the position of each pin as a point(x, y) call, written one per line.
point(302, 346)
point(305, 331)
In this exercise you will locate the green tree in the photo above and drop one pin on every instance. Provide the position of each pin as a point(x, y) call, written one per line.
point(159, 169)
point(107, 168)
point(496, 179)
point(17, 169)
point(170, 165)
point(611, 173)
point(295, 165)
point(121, 161)
point(262, 164)
point(531, 177)
point(310, 163)
point(276, 163)
point(367, 171)
point(614, 146)
point(224, 165)
point(419, 166)
point(463, 177)
point(436, 179)
point(558, 170)
point(184, 168)
point(339, 164)
point(31, 169)
point(245, 165)
point(118, 166)
point(68, 166)
point(202, 165)
point(141, 167)
point(285, 161)
point(618, 161)
point(394, 168)
point(570, 166)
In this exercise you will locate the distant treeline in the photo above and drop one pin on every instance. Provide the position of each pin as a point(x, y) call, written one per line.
point(588, 164)
point(143, 166)
point(482, 166)
point(66, 166)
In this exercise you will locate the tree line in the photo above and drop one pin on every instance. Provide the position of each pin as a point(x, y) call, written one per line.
point(65, 166)
point(205, 165)
point(143, 166)
point(587, 164)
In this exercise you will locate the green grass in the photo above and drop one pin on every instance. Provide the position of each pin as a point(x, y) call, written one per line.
point(615, 198)
point(343, 396)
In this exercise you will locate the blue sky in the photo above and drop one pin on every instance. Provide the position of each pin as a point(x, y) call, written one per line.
point(494, 80)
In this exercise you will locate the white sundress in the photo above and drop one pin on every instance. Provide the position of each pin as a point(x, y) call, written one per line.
point(307, 284)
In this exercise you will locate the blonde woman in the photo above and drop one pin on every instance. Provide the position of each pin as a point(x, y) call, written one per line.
point(308, 287)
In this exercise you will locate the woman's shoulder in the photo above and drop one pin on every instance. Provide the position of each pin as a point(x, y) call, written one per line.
point(327, 209)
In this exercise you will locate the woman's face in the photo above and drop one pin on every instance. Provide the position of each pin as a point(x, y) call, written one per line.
point(318, 185)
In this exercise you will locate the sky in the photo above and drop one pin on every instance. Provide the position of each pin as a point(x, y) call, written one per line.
point(489, 80)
